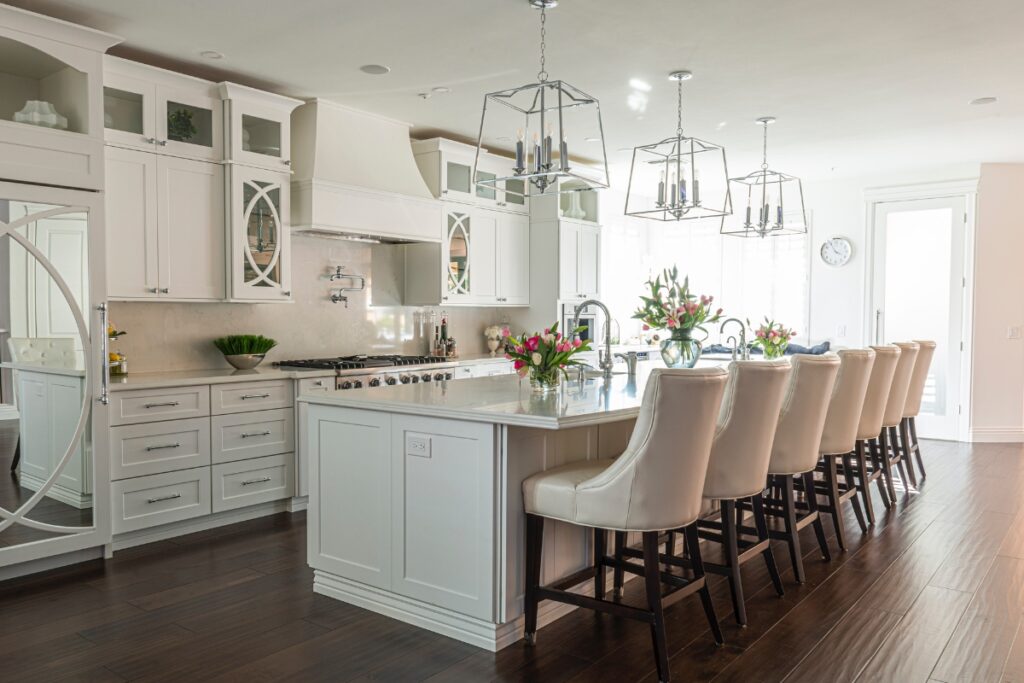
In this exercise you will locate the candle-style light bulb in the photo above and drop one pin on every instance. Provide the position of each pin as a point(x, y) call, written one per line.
point(520, 152)
point(696, 186)
point(537, 161)
point(661, 190)
point(563, 153)
point(547, 145)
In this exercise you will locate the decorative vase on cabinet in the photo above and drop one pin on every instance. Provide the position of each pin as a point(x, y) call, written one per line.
point(259, 257)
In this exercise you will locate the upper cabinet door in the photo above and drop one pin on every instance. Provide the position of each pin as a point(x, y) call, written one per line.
point(589, 260)
point(460, 234)
point(483, 256)
point(129, 112)
point(513, 258)
point(191, 229)
point(260, 252)
point(258, 127)
point(131, 218)
point(457, 179)
point(189, 124)
point(569, 261)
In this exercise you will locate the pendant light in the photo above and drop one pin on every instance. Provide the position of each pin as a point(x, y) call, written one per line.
point(679, 178)
point(774, 202)
point(546, 118)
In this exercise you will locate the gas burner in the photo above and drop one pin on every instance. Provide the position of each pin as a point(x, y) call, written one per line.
point(359, 362)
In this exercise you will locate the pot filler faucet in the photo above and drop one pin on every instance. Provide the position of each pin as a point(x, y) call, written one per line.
point(744, 351)
point(604, 358)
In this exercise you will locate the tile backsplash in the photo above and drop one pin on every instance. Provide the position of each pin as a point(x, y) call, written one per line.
point(177, 336)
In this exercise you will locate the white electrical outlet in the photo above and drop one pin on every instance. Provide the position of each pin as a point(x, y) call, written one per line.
point(417, 445)
point(841, 331)
point(1013, 332)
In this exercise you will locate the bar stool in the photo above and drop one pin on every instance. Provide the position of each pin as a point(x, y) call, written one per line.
point(870, 429)
point(795, 451)
point(738, 469)
point(908, 425)
point(838, 441)
point(888, 439)
point(653, 487)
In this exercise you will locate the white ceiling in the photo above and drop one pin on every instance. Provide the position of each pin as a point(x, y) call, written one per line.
point(858, 87)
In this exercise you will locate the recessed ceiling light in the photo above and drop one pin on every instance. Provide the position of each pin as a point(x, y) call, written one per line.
point(375, 69)
point(592, 139)
point(441, 90)
point(637, 84)
point(544, 4)
point(211, 54)
point(721, 125)
point(984, 100)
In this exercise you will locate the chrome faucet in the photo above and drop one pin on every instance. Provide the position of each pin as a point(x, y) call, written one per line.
point(744, 349)
point(631, 359)
point(604, 358)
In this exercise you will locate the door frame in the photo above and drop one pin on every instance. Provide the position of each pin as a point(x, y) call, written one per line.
point(33, 556)
point(966, 189)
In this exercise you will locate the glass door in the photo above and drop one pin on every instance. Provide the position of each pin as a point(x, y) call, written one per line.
point(189, 125)
point(128, 112)
point(918, 293)
point(51, 374)
point(457, 286)
point(261, 262)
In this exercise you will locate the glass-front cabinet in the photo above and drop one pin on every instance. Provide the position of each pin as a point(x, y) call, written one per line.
point(259, 257)
point(448, 169)
point(459, 233)
point(258, 127)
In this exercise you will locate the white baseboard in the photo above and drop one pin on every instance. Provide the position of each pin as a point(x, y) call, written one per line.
point(8, 412)
point(997, 435)
point(191, 526)
point(81, 501)
point(298, 504)
point(47, 563)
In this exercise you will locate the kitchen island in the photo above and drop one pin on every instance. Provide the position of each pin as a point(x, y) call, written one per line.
point(415, 505)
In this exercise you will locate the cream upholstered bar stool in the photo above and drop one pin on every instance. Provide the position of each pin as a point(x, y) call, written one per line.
point(888, 438)
point(653, 487)
point(795, 451)
point(909, 444)
point(738, 469)
point(875, 401)
point(839, 439)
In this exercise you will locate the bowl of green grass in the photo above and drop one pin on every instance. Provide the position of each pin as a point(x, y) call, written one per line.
point(244, 351)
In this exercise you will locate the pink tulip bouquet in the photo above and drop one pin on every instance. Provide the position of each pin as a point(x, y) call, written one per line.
point(545, 356)
point(671, 306)
point(772, 337)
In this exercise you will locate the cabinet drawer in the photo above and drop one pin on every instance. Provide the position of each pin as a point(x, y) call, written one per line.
point(248, 482)
point(248, 396)
point(252, 435)
point(150, 405)
point(160, 499)
point(137, 450)
point(316, 384)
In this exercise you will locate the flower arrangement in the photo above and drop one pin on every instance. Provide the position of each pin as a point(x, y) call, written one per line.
point(545, 356)
point(671, 306)
point(772, 337)
point(494, 334)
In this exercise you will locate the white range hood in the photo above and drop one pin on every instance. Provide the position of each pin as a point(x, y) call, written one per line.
point(355, 177)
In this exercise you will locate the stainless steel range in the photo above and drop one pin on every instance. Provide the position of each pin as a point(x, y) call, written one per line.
point(354, 372)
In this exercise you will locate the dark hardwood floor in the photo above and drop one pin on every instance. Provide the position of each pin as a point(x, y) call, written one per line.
point(934, 592)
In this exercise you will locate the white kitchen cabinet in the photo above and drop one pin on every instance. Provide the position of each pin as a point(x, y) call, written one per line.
point(259, 253)
point(258, 127)
point(486, 257)
point(513, 260)
point(447, 168)
point(165, 227)
point(579, 257)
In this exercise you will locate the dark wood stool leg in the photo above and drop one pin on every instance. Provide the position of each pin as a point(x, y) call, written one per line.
point(732, 560)
point(881, 464)
point(903, 447)
point(652, 582)
point(17, 455)
point(887, 472)
point(789, 520)
point(600, 538)
point(534, 544)
point(862, 482)
point(912, 431)
point(832, 484)
point(851, 483)
point(697, 564)
point(617, 573)
point(812, 506)
point(757, 503)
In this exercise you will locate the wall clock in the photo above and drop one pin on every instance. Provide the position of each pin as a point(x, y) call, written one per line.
point(836, 251)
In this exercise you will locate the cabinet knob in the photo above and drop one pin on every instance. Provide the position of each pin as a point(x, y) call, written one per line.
point(151, 141)
point(165, 290)
point(162, 143)
point(287, 293)
point(152, 290)
point(287, 162)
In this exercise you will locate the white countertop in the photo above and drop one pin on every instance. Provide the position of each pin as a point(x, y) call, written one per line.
point(156, 380)
point(45, 369)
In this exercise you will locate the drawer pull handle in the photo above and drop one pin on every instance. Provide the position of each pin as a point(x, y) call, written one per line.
point(162, 447)
point(167, 404)
point(247, 396)
point(261, 480)
point(246, 435)
point(158, 499)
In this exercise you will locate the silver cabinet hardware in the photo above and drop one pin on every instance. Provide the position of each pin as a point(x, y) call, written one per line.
point(248, 396)
point(151, 141)
point(162, 143)
point(287, 292)
point(287, 162)
point(261, 480)
point(153, 290)
point(246, 435)
point(166, 404)
point(163, 447)
point(105, 349)
point(158, 499)
point(165, 290)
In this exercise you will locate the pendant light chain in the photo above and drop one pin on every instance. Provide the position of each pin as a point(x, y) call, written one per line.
point(542, 75)
point(679, 109)
point(764, 149)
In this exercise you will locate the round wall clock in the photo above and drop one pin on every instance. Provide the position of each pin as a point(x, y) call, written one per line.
point(836, 251)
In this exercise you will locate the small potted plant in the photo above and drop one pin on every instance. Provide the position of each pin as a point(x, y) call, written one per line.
point(180, 127)
point(494, 334)
point(545, 356)
point(244, 351)
point(671, 306)
point(772, 338)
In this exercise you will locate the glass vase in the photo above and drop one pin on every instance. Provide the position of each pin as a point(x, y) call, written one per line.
point(681, 350)
point(544, 381)
point(772, 351)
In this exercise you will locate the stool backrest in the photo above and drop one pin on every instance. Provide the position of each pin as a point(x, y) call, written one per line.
point(919, 377)
point(847, 402)
point(798, 435)
point(746, 428)
point(656, 483)
point(900, 383)
point(877, 397)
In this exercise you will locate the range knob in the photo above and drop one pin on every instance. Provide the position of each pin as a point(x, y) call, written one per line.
point(448, 375)
point(439, 376)
point(345, 385)
point(358, 384)
point(375, 382)
point(405, 379)
point(426, 377)
point(415, 379)
point(391, 380)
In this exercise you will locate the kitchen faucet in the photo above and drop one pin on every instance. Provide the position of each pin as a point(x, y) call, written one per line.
point(604, 358)
point(744, 350)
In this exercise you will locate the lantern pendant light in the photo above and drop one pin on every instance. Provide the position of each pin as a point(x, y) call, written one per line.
point(546, 118)
point(774, 200)
point(679, 178)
